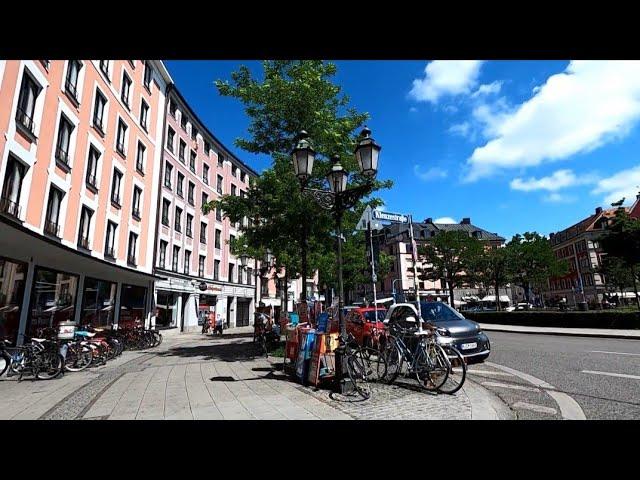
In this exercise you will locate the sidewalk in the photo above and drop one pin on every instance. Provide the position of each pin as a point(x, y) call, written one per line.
point(581, 332)
point(192, 376)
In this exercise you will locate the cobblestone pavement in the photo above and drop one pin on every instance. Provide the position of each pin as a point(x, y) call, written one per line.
point(191, 376)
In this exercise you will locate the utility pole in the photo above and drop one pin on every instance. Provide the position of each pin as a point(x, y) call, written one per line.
point(414, 255)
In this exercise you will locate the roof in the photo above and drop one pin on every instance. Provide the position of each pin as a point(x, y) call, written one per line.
point(424, 231)
point(588, 224)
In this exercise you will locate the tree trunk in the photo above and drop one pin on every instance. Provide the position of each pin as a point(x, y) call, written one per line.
point(453, 305)
point(284, 303)
point(527, 292)
point(635, 287)
point(498, 306)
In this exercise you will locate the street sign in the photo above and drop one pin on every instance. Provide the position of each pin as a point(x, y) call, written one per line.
point(389, 217)
point(363, 223)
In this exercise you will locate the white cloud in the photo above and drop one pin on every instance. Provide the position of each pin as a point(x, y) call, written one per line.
point(463, 129)
point(446, 77)
point(488, 89)
point(432, 173)
point(444, 220)
point(584, 107)
point(559, 198)
point(559, 180)
point(625, 183)
point(450, 108)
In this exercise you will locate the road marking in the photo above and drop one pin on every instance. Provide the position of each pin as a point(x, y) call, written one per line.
point(535, 408)
point(511, 386)
point(610, 374)
point(488, 372)
point(569, 408)
point(616, 353)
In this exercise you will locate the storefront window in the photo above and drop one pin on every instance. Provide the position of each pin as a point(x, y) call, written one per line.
point(167, 305)
point(53, 299)
point(132, 305)
point(98, 303)
point(207, 304)
point(12, 278)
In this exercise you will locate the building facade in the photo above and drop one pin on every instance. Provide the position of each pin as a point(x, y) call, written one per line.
point(79, 158)
point(192, 249)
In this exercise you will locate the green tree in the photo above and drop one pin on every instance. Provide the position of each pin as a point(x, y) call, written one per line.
point(622, 241)
point(617, 274)
point(453, 257)
point(493, 269)
point(533, 261)
point(290, 96)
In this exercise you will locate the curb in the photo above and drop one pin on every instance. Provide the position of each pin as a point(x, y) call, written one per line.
point(486, 405)
point(565, 332)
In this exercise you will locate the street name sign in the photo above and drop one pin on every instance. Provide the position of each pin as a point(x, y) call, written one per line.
point(389, 217)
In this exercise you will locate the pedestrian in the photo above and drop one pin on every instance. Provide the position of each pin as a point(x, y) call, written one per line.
point(205, 322)
point(212, 320)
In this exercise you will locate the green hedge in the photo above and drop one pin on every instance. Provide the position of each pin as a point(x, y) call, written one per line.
point(589, 319)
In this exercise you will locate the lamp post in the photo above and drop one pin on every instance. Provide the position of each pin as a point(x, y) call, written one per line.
point(338, 200)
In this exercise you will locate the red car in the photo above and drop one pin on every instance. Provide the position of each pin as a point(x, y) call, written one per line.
point(365, 324)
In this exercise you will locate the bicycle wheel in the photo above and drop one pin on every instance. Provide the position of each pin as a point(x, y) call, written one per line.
point(394, 361)
point(78, 358)
point(457, 370)
point(50, 365)
point(431, 368)
point(5, 361)
point(357, 369)
point(159, 338)
point(375, 364)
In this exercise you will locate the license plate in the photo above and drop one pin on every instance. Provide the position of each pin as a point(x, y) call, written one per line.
point(468, 346)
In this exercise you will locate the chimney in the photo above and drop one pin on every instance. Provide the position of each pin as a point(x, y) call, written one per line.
point(598, 210)
point(428, 220)
point(466, 221)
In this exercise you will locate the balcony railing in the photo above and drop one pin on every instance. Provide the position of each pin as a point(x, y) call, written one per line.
point(83, 242)
point(62, 157)
point(109, 252)
point(9, 207)
point(52, 228)
point(136, 213)
point(24, 120)
point(131, 260)
point(71, 91)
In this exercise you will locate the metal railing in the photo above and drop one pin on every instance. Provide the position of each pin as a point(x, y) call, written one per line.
point(52, 228)
point(62, 156)
point(24, 120)
point(9, 207)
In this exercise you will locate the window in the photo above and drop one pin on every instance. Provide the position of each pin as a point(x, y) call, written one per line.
point(217, 239)
point(98, 300)
point(190, 194)
point(219, 184)
point(201, 266)
point(148, 72)
point(249, 276)
point(189, 231)
point(46, 64)
point(115, 187)
point(243, 177)
point(203, 232)
point(71, 82)
point(64, 142)
point(194, 132)
point(53, 299)
point(51, 225)
point(186, 265)
point(166, 204)
point(163, 254)
point(205, 198)
point(137, 194)
point(234, 171)
point(170, 136)
point(231, 272)
point(168, 170)
point(104, 68)
point(85, 226)
point(120, 141)
point(183, 122)
point(231, 239)
point(109, 249)
point(218, 215)
point(220, 160)
point(126, 88)
point(92, 168)
point(216, 269)
point(144, 111)
point(172, 108)
point(192, 161)
point(234, 191)
point(29, 91)
point(132, 304)
point(207, 147)
point(181, 150)
point(174, 262)
point(179, 186)
point(264, 289)
point(131, 255)
point(98, 112)
point(205, 173)
point(178, 220)
point(140, 157)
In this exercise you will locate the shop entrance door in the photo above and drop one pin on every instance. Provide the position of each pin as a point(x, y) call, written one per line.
point(229, 304)
point(242, 314)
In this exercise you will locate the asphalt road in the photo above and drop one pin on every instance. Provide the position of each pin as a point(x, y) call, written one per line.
point(602, 375)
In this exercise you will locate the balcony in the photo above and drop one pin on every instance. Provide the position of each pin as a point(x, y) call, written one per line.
point(136, 214)
point(109, 252)
point(72, 92)
point(62, 159)
point(52, 228)
point(25, 123)
point(9, 207)
point(83, 243)
point(120, 149)
point(115, 200)
point(131, 260)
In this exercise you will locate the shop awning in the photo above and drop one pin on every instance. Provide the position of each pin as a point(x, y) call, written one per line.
point(492, 298)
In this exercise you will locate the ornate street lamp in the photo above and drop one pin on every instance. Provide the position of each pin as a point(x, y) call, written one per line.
point(244, 259)
point(338, 200)
point(303, 156)
point(367, 153)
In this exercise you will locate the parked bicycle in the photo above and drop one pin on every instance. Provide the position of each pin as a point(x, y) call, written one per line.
point(39, 357)
point(364, 365)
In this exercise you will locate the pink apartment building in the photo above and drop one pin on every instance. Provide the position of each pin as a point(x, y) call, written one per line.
point(192, 250)
point(80, 159)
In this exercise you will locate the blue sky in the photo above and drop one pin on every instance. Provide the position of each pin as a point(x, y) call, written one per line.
point(514, 145)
